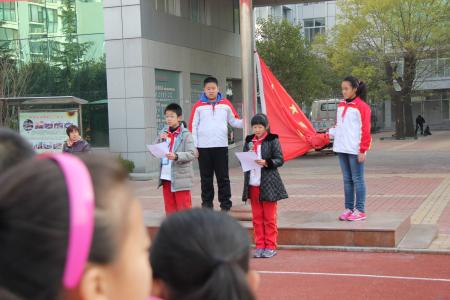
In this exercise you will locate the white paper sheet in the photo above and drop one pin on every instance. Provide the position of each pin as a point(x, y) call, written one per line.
point(247, 160)
point(159, 150)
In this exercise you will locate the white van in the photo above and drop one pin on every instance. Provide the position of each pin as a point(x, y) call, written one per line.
point(323, 114)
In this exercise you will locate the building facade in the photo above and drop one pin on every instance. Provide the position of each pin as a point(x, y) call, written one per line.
point(35, 29)
point(158, 52)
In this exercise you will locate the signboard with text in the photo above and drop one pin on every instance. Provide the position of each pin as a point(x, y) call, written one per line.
point(46, 131)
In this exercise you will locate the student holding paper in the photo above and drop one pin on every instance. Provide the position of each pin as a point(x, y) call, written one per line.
point(176, 172)
point(263, 186)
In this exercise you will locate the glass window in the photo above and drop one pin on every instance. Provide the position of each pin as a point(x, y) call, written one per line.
point(52, 20)
point(313, 27)
point(328, 106)
point(36, 14)
point(171, 7)
point(8, 11)
point(198, 11)
point(236, 16)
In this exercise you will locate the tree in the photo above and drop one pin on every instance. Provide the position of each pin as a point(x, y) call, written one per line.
point(69, 54)
point(13, 83)
point(283, 48)
point(382, 35)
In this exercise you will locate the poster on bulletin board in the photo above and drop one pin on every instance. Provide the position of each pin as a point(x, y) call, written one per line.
point(167, 88)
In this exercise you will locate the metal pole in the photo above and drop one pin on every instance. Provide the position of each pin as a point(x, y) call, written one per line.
point(248, 88)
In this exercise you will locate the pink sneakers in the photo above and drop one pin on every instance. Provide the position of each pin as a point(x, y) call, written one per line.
point(344, 216)
point(357, 216)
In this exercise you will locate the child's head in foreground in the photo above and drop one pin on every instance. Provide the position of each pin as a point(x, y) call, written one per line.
point(86, 246)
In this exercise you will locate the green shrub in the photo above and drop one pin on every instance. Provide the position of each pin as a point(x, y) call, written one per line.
point(127, 164)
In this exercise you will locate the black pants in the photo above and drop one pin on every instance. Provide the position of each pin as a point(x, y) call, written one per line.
point(215, 161)
point(418, 125)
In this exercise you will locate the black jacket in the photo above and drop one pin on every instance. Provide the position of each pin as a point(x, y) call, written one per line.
point(272, 187)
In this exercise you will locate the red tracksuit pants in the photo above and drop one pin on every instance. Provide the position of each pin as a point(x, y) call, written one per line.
point(175, 201)
point(264, 220)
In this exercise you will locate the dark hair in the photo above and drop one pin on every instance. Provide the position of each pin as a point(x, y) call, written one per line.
point(200, 254)
point(13, 149)
point(34, 221)
point(210, 79)
point(360, 86)
point(174, 107)
point(71, 129)
point(260, 119)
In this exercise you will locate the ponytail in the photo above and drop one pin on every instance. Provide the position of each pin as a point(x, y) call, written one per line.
point(360, 86)
point(200, 254)
point(228, 281)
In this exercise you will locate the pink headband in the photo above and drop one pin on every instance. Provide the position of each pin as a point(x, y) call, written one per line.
point(81, 206)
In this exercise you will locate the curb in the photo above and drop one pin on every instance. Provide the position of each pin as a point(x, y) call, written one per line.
point(365, 249)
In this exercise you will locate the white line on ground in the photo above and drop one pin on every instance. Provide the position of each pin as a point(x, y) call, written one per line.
point(355, 275)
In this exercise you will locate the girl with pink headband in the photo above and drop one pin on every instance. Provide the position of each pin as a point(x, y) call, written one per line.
point(71, 229)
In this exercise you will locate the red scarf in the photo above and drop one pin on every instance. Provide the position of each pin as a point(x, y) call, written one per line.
point(258, 141)
point(172, 136)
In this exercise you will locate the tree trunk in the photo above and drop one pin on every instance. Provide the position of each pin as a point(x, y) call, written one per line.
point(397, 103)
point(409, 75)
point(399, 110)
point(409, 121)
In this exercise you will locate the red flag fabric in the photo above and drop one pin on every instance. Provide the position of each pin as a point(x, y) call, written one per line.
point(296, 133)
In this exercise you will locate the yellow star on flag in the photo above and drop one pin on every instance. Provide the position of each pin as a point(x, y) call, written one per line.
point(293, 109)
point(302, 124)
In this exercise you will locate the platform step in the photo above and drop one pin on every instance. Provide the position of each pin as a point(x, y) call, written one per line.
point(420, 236)
point(323, 229)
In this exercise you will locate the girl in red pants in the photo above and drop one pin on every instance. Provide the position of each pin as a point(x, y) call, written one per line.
point(263, 186)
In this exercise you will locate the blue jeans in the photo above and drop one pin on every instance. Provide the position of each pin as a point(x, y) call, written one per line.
point(353, 172)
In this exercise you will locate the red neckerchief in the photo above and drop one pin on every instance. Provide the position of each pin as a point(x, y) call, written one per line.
point(258, 141)
point(172, 136)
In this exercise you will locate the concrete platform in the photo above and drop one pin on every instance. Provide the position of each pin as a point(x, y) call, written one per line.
point(323, 229)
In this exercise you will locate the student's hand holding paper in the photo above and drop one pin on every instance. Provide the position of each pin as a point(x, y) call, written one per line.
point(261, 162)
point(171, 156)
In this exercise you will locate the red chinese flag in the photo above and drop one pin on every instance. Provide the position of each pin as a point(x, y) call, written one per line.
point(296, 133)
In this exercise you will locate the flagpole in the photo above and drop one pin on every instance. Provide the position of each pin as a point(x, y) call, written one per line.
point(248, 80)
point(243, 212)
point(262, 97)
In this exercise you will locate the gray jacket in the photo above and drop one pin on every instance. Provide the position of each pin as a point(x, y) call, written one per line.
point(77, 148)
point(182, 172)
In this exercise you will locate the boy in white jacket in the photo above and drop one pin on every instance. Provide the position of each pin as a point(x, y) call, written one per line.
point(209, 126)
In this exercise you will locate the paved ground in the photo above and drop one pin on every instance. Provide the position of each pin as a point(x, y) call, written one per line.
point(403, 176)
point(311, 275)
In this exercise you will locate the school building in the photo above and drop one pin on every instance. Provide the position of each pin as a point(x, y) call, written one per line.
point(158, 52)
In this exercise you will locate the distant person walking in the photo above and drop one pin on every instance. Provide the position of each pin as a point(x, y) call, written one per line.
point(75, 144)
point(420, 121)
